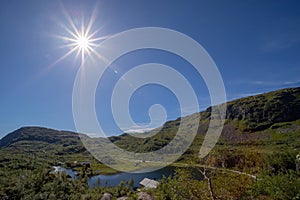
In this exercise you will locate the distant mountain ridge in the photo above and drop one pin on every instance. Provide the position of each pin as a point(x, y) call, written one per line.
point(40, 134)
point(247, 115)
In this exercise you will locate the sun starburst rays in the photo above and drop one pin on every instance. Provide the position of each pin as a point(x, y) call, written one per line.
point(81, 39)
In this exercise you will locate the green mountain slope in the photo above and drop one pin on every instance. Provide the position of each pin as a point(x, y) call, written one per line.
point(264, 120)
point(244, 117)
point(261, 111)
point(261, 137)
point(250, 114)
point(40, 134)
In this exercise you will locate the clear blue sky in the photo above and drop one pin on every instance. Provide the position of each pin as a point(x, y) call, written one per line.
point(255, 45)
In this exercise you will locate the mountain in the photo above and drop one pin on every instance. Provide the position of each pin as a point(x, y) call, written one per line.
point(245, 117)
point(41, 134)
point(260, 132)
point(30, 147)
point(266, 119)
point(262, 111)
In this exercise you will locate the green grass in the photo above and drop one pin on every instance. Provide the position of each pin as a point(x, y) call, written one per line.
point(260, 130)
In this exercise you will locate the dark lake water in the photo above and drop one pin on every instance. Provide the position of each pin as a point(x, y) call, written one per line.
point(115, 179)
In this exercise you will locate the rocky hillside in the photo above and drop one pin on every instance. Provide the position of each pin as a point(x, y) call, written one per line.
point(260, 131)
point(243, 117)
point(261, 111)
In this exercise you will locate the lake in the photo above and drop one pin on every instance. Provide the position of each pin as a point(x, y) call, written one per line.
point(115, 179)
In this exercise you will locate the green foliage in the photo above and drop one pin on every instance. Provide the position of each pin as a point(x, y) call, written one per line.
point(184, 186)
point(281, 162)
point(39, 184)
point(279, 178)
point(282, 186)
point(261, 136)
point(181, 186)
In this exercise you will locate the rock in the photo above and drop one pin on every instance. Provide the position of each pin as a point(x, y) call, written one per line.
point(106, 196)
point(122, 198)
point(144, 196)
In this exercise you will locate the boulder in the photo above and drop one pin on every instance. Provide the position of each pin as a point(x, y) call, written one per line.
point(144, 196)
point(106, 196)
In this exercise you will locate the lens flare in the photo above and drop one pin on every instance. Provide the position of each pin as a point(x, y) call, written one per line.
point(80, 39)
point(83, 43)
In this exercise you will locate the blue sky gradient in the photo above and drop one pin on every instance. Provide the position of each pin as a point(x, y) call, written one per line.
point(255, 45)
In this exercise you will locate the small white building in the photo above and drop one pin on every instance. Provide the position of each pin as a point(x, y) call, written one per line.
point(148, 183)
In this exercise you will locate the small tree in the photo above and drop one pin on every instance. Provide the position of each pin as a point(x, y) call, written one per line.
point(131, 183)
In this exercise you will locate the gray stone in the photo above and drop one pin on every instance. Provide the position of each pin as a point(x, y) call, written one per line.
point(106, 196)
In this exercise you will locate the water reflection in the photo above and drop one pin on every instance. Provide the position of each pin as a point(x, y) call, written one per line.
point(115, 179)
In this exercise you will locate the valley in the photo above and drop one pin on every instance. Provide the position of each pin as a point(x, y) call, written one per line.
point(256, 153)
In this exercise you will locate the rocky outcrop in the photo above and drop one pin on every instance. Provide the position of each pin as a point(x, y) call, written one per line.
point(144, 196)
point(106, 196)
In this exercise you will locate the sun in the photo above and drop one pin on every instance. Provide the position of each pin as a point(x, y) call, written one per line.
point(80, 39)
point(83, 43)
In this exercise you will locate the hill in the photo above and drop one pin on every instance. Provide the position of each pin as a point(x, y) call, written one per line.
point(265, 119)
point(250, 114)
point(260, 138)
point(244, 119)
point(262, 111)
point(40, 134)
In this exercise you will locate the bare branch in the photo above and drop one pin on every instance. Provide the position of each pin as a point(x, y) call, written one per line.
point(211, 191)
